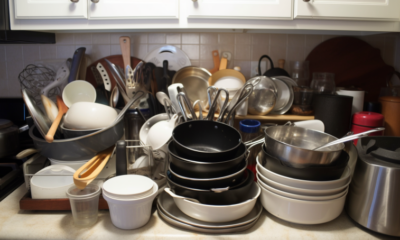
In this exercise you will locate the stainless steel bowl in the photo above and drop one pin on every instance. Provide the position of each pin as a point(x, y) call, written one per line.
point(195, 82)
point(294, 144)
point(263, 98)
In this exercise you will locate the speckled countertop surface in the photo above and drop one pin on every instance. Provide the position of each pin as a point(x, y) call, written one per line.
point(18, 224)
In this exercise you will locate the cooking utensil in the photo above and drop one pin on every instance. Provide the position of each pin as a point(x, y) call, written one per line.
point(121, 165)
point(198, 104)
point(173, 91)
point(272, 72)
point(50, 107)
point(216, 214)
point(104, 75)
point(370, 198)
point(114, 97)
point(284, 96)
point(125, 44)
point(349, 138)
point(176, 58)
point(294, 145)
point(235, 194)
point(314, 172)
point(118, 79)
point(195, 82)
point(215, 55)
point(217, 184)
point(89, 171)
point(41, 120)
point(213, 103)
point(245, 94)
point(210, 168)
point(210, 137)
point(263, 99)
point(62, 109)
point(78, 62)
point(60, 80)
point(162, 97)
point(161, 132)
point(166, 204)
point(182, 104)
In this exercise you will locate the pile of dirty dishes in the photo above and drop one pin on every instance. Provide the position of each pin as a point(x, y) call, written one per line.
point(129, 199)
point(208, 177)
point(298, 184)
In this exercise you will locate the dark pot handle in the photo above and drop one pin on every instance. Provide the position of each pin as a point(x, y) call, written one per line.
point(259, 63)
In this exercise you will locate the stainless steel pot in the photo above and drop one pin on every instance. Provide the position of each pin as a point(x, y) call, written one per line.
point(293, 144)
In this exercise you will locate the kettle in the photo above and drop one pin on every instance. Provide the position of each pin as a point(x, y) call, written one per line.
point(272, 72)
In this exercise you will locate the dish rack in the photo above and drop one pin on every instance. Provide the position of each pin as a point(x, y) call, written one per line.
point(33, 165)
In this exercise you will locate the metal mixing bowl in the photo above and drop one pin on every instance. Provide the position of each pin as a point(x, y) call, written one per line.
point(294, 144)
point(263, 98)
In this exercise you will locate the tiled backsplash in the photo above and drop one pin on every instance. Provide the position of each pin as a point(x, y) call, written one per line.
point(246, 49)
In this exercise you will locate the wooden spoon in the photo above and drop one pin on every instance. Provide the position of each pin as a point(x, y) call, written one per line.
point(62, 109)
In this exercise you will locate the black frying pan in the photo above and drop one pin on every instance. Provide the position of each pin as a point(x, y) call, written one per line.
point(201, 139)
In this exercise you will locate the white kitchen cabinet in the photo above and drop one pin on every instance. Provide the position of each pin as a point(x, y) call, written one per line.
point(133, 9)
point(50, 9)
point(388, 10)
point(240, 9)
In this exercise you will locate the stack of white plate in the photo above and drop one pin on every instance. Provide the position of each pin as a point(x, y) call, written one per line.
point(302, 201)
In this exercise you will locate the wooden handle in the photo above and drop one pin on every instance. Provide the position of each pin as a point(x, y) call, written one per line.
point(281, 63)
point(125, 43)
point(215, 55)
point(50, 134)
point(223, 64)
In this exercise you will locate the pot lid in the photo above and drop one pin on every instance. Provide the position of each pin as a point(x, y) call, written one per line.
point(389, 99)
point(371, 119)
point(4, 123)
point(380, 150)
point(131, 186)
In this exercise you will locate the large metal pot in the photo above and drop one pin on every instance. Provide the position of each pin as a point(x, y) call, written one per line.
point(84, 147)
point(293, 144)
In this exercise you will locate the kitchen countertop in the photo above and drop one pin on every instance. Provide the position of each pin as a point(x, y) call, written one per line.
point(19, 224)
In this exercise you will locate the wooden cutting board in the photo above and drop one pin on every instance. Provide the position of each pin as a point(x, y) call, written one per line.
point(117, 60)
point(354, 62)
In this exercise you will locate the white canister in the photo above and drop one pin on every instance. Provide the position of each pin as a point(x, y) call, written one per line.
point(358, 99)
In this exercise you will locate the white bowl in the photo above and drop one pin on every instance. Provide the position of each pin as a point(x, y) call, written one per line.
point(86, 115)
point(302, 197)
point(128, 187)
point(301, 191)
point(54, 182)
point(307, 184)
point(78, 91)
point(217, 213)
point(301, 211)
point(130, 214)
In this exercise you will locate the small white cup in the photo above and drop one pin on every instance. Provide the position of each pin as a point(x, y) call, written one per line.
point(78, 91)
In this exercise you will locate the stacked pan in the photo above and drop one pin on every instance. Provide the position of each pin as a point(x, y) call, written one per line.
point(208, 169)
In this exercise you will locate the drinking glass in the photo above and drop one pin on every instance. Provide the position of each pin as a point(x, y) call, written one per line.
point(323, 82)
point(300, 72)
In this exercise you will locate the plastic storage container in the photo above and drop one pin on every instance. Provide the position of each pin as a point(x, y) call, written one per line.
point(391, 112)
point(84, 204)
point(364, 121)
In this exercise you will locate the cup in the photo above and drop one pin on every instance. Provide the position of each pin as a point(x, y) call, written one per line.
point(84, 204)
point(358, 99)
point(323, 82)
point(78, 91)
point(300, 72)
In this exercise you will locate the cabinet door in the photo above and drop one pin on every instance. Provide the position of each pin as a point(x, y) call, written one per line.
point(133, 9)
point(348, 9)
point(50, 9)
point(240, 9)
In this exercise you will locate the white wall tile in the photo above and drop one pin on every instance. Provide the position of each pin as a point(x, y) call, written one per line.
point(64, 38)
point(138, 38)
point(13, 70)
point(114, 37)
point(115, 49)
point(258, 50)
point(140, 50)
point(243, 38)
point(295, 40)
point(208, 38)
point(205, 51)
point(151, 47)
point(260, 39)
point(2, 53)
point(242, 52)
point(30, 53)
point(245, 68)
point(173, 38)
point(88, 51)
point(226, 38)
point(100, 51)
point(190, 38)
point(48, 52)
point(14, 52)
point(3, 73)
point(193, 51)
point(101, 38)
point(157, 38)
point(65, 52)
point(83, 38)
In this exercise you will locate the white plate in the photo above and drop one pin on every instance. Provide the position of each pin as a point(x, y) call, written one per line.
point(176, 58)
point(285, 96)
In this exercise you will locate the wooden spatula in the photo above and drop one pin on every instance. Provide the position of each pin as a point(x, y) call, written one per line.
point(62, 109)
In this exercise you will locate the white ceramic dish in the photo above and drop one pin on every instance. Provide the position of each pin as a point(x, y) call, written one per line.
point(128, 187)
point(54, 182)
point(306, 184)
point(301, 211)
point(301, 191)
point(78, 91)
point(216, 213)
point(229, 82)
point(87, 115)
point(302, 197)
point(131, 214)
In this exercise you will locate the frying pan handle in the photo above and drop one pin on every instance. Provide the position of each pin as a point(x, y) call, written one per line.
point(172, 194)
point(224, 106)
point(181, 96)
point(213, 106)
point(121, 164)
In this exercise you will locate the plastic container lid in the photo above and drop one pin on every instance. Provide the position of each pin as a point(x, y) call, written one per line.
point(250, 126)
point(92, 190)
point(129, 187)
point(53, 176)
point(372, 119)
point(389, 99)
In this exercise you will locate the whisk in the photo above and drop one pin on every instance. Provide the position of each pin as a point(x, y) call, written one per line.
point(34, 78)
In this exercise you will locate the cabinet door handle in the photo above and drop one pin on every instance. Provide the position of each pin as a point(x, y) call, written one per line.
point(194, 0)
point(95, 1)
point(74, 1)
point(306, 0)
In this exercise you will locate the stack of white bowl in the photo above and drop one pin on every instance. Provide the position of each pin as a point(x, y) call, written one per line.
point(302, 201)
point(129, 199)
